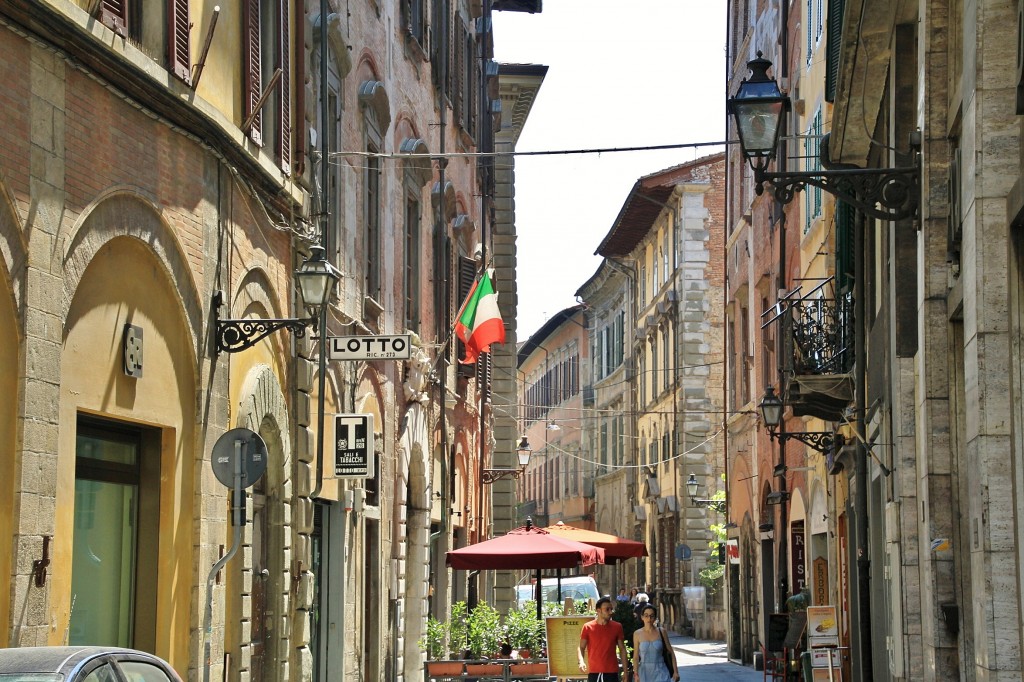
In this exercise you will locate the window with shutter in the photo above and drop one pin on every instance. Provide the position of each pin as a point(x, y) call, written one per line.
point(411, 279)
point(251, 73)
point(178, 54)
point(266, 48)
point(466, 278)
point(371, 222)
point(114, 13)
point(414, 20)
point(833, 36)
point(459, 72)
point(283, 141)
point(472, 85)
point(440, 45)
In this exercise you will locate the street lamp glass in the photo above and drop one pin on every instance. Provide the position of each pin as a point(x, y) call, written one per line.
point(316, 278)
point(757, 112)
point(524, 452)
point(691, 486)
point(771, 407)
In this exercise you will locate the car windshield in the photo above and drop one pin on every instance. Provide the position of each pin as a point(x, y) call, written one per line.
point(31, 677)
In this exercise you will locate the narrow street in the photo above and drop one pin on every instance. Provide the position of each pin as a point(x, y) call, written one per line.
point(703, 661)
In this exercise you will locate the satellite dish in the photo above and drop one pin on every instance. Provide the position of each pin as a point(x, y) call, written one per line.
point(250, 447)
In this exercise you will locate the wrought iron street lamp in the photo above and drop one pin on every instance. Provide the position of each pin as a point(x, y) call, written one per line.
point(692, 489)
point(523, 452)
point(771, 407)
point(316, 279)
point(883, 193)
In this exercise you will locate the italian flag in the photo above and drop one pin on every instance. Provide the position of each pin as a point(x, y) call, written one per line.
point(479, 324)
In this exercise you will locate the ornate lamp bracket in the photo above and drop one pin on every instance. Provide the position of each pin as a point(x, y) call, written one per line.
point(232, 336)
point(492, 475)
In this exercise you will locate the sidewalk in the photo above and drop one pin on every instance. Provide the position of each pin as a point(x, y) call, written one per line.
point(698, 647)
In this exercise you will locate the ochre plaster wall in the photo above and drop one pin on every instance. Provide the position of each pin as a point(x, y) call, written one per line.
point(125, 283)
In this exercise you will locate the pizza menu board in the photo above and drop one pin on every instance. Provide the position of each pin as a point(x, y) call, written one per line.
point(564, 645)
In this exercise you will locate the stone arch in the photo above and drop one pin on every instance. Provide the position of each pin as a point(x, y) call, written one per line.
point(122, 212)
point(13, 248)
point(253, 294)
point(255, 297)
point(262, 408)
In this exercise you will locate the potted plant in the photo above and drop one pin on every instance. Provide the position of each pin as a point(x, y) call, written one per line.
point(521, 630)
point(436, 647)
point(484, 639)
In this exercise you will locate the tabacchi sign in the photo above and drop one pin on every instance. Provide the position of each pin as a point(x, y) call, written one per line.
point(353, 445)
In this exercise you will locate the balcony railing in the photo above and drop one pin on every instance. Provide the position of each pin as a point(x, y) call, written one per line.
point(822, 335)
point(817, 349)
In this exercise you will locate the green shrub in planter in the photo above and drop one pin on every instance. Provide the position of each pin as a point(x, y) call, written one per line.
point(458, 629)
point(433, 640)
point(484, 624)
point(522, 628)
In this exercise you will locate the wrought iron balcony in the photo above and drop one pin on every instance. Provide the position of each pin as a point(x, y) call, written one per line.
point(817, 350)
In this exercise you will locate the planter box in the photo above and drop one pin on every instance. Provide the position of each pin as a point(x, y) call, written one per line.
point(485, 669)
point(444, 668)
point(529, 669)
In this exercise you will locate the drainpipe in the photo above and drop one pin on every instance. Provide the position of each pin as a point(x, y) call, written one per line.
point(324, 220)
point(440, 246)
point(860, 499)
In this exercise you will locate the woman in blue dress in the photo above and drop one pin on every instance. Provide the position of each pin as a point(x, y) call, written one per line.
point(649, 659)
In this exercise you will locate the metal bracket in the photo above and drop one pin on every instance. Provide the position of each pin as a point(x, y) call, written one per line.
point(39, 565)
point(822, 441)
point(492, 475)
point(233, 336)
point(882, 193)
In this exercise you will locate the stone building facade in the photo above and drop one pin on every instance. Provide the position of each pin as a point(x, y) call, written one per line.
point(927, 497)
point(162, 173)
point(668, 237)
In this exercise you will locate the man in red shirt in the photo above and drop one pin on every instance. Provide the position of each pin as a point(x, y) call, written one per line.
point(598, 641)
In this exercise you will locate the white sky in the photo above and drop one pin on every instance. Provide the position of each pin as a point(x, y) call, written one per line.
point(621, 73)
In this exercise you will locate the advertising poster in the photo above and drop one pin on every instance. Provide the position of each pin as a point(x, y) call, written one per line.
point(564, 645)
point(822, 626)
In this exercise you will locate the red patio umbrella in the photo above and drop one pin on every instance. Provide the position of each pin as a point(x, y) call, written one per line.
point(526, 547)
point(615, 548)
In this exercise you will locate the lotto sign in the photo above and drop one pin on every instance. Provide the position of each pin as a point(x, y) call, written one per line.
point(396, 347)
point(353, 445)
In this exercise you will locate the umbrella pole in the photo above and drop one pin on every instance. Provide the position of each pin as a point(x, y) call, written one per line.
point(558, 579)
point(539, 595)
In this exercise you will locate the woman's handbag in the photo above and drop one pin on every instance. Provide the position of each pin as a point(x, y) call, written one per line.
point(667, 654)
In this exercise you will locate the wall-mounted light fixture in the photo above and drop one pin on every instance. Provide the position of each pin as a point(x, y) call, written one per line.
point(523, 452)
point(776, 498)
point(883, 193)
point(771, 411)
point(316, 279)
point(692, 489)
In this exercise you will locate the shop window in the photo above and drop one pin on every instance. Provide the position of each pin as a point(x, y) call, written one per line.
point(114, 555)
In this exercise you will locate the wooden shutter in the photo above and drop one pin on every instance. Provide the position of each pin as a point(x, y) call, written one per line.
point(284, 109)
point(251, 72)
point(114, 13)
point(467, 275)
point(178, 27)
point(458, 71)
point(299, 140)
point(473, 85)
point(834, 36)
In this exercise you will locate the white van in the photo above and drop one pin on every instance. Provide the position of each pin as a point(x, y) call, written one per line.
point(581, 588)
